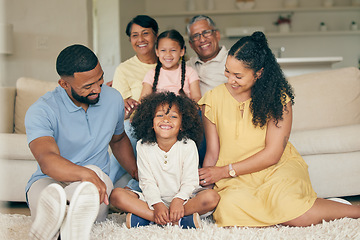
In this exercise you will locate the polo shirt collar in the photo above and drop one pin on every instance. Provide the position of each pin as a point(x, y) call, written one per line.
point(69, 104)
point(219, 58)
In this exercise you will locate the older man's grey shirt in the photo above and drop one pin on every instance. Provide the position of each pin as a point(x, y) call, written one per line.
point(211, 73)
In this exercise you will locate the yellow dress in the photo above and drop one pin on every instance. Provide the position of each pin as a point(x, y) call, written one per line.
point(274, 195)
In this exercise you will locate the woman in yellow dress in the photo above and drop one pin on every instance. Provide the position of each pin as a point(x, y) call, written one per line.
point(261, 178)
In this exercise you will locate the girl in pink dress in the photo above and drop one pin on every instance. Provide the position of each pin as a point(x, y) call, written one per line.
point(169, 74)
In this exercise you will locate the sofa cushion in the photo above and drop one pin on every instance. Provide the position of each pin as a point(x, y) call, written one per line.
point(14, 147)
point(326, 99)
point(327, 140)
point(7, 103)
point(334, 175)
point(28, 90)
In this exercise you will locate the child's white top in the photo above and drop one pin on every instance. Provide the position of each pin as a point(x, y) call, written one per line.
point(167, 175)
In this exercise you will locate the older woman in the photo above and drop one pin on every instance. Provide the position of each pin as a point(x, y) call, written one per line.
point(142, 31)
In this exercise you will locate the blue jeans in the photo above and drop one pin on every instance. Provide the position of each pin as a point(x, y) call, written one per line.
point(202, 146)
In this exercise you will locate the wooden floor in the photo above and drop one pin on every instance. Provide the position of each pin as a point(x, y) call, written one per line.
point(22, 208)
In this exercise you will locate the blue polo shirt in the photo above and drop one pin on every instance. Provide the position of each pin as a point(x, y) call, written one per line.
point(82, 137)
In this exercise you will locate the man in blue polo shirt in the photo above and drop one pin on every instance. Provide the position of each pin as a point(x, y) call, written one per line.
point(69, 131)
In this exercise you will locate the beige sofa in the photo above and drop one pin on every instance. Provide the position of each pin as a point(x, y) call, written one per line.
point(326, 131)
point(17, 163)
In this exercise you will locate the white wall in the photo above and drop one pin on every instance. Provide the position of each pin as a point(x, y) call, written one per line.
point(107, 36)
point(113, 44)
point(2, 56)
point(128, 10)
point(42, 28)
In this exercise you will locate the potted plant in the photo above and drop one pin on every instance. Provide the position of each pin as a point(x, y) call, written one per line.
point(245, 4)
point(283, 23)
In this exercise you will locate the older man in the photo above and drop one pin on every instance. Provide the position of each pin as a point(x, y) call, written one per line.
point(210, 60)
point(69, 131)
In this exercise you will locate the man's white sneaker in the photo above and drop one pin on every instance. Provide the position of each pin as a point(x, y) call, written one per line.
point(50, 213)
point(340, 200)
point(82, 212)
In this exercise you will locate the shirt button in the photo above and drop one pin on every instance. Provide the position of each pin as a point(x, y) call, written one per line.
point(165, 156)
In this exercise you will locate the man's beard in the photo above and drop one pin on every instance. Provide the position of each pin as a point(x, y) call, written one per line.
point(82, 99)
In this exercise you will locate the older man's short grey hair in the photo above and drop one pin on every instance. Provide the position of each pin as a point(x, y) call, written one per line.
point(199, 18)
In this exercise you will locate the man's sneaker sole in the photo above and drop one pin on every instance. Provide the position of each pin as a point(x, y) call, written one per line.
point(82, 212)
point(340, 200)
point(50, 213)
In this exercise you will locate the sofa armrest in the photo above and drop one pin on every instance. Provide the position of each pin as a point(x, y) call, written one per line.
point(334, 140)
point(14, 146)
point(7, 105)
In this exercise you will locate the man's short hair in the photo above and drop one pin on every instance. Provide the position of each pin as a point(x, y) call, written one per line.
point(144, 21)
point(75, 58)
point(199, 18)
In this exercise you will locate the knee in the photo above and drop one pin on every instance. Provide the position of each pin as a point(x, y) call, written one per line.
point(117, 196)
point(212, 198)
point(103, 176)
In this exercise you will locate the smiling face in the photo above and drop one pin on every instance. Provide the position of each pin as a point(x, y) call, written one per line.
point(167, 123)
point(169, 53)
point(142, 40)
point(240, 78)
point(84, 88)
point(205, 48)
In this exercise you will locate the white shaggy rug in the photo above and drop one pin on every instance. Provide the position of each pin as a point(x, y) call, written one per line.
point(16, 227)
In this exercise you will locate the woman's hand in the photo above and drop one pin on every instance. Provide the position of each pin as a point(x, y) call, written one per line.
point(161, 213)
point(109, 83)
point(176, 210)
point(210, 175)
point(130, 105)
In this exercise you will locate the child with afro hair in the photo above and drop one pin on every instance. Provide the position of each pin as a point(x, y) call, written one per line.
point(168, 127)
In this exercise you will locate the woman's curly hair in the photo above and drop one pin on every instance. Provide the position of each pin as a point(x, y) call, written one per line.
point(191, 126)
point(270, 89)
